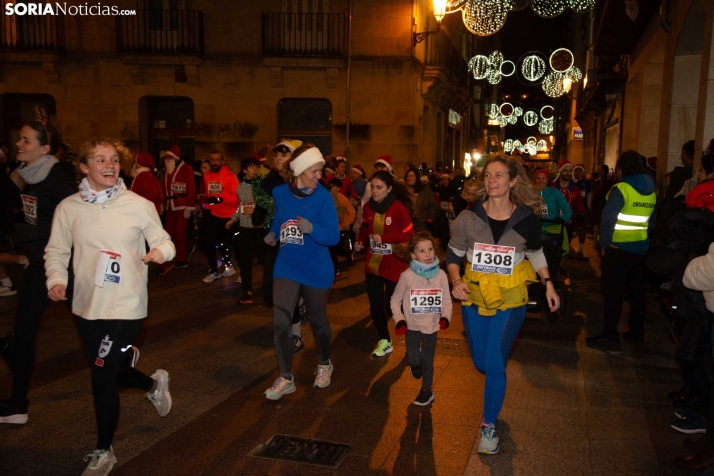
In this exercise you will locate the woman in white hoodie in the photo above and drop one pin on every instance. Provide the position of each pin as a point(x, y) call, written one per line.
point(107, 226)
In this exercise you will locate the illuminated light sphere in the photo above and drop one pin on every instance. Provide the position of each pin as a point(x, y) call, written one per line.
point(508, 145)
point(574, 74)
point(507, 68)
point(533, 68)
point(581, 6)
point(531, 149)
point(518, 112)
point(521, 4)
point(530, 118)
point(496, 58)
point(542, 146)
point(531, 141)
point(506, 109)
point(502, 121)
point(485, 17)
point(513, 119)
point(545, 127)
point(494, 77)
point(453, 5)
point(517, 144)
point(493, 111)
point(561, 60)
point(549, 8)
point(547, 112)
point(553, 84)
point(480, 66)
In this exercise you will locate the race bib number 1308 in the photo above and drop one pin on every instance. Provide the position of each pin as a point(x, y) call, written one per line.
point(493, 259)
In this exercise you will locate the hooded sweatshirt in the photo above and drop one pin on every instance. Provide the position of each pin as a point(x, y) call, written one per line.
point(222, 184)
point(643, 184)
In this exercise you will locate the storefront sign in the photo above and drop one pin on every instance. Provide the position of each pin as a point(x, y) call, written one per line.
point(577, 134)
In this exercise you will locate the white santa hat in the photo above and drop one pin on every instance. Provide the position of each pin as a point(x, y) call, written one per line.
point(306, 160)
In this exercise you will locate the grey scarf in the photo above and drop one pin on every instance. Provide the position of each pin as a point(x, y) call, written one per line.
point(38, 171)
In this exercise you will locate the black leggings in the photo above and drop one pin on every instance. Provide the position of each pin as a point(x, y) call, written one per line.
point(249, 242)
point(379, 291)
point(107, 344)
point(211, 233)
point(285, 297)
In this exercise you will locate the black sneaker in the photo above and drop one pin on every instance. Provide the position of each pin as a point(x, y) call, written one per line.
point(298, 344)
point(13, 413)
point(416, 372)
point(424, 398)
point(603, 338)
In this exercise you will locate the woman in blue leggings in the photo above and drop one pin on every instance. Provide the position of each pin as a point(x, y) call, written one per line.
point(495, 234)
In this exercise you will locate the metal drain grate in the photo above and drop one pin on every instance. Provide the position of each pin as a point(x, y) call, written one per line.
point(302, 450)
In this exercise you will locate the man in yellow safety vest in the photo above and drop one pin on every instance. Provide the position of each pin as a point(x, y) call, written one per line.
point(626, 221)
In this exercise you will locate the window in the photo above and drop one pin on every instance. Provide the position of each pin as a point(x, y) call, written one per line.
point(308, 120)
point(167, 121)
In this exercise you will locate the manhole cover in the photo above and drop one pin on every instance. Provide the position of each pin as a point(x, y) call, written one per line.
point(302, 450)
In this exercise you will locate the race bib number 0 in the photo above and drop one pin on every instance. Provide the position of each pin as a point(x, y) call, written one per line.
point(425, 301)
point(179, 187)
point(246, 208)
point(290, 233)
point(493, 259)
point(29, 205)
point(542, 210)
point(382, 249)
point(108, 268)
point(215, 187)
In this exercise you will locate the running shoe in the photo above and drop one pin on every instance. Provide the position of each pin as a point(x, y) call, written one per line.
point(229, 271)
point(425, 397)
point(13, 413)
point(100, 462)
point(164, 271)
point(7, 291)
point(298, 344)
point(686, 413)
point(417, 372)
point(489, 441)
point(695, 424)
point(246, 299)
point(212, 277)
point(161, 398)
point(281, 386)
point(180, 264)
point(383, 348)
point(323, 375)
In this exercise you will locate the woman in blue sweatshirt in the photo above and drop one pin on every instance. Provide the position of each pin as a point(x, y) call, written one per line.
point(305, 226)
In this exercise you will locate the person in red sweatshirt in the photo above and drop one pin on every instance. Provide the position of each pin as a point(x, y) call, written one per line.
point(179, 189)
point(220, 203)
point(145, 183)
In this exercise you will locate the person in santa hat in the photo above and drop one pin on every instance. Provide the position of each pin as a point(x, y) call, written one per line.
point(359, 184)
point(179, 188)
point(564, 183)
point(145, 183)
point(585, 193)
point(384, 162)
point(341, 174)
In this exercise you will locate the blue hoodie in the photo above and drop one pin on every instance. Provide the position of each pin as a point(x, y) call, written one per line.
point(644, 185)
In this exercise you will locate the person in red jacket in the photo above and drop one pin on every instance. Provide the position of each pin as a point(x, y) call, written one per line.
point(179, 189)
point(145, 183)
point(340, 173)
point(220, 203)
point(386, 222)
point(571, 192)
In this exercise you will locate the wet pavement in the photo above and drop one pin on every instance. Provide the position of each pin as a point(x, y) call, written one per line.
point(570, 409)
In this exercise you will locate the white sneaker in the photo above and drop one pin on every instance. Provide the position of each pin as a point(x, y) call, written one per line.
point(489, 441)
point(161, 398)
point(281, 386)
point(228, 272)
point(100, 462)
point(323, 375)
point(5, 291)
point(212, 277)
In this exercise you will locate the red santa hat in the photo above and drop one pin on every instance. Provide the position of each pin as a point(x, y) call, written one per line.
point(579, 166)
point(358, 168)
point(145, 160)
point(257, 157)
point(385, 160)
point(543, 172)
point(562, 164)
point(174, 152)
point(340, 158)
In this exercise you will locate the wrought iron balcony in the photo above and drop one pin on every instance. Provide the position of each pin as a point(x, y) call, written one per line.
point(304, 35)
point(31, 33)
point(441, 53)
point(161, 32)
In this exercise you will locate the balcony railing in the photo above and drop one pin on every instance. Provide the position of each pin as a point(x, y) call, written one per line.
point(161, 32)
point(440, 52)
point(304, 34)
point(31, 33)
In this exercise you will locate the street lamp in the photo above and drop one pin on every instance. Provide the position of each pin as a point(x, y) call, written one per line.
point(439, 7)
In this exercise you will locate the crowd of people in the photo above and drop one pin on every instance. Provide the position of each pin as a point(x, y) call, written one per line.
point(85, 233)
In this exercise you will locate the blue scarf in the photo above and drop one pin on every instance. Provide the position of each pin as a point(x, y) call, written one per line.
point(425, 270)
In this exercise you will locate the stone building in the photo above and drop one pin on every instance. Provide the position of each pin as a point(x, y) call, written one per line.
point(238, 76)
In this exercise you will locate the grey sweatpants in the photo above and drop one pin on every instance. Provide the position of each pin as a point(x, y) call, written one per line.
point(286, 294)
point(420, 351)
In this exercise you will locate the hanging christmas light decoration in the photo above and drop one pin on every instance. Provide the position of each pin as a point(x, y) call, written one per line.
point(530, 149)
point(518, 112)
point(508, 146)
point(479, 66)
point(507, 68)
point(547, 112)
point(531, 141)
point(519, 5)
point(512, 119)
point(493, 112)
point(495, 59)
point(574, 74)
point(553, 84)
point(542, 146)
point(453, 5)
point(581, 6)
point(494, 77)
point(517, 144)
point(530, 118)
point(533, 68)
point(485, 17)
point(549, 8)
point(502, 121)
point(545, 126)
point(561, 60)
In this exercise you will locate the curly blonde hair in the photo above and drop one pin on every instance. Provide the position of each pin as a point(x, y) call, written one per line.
point(523, 193)
point(88, 148)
